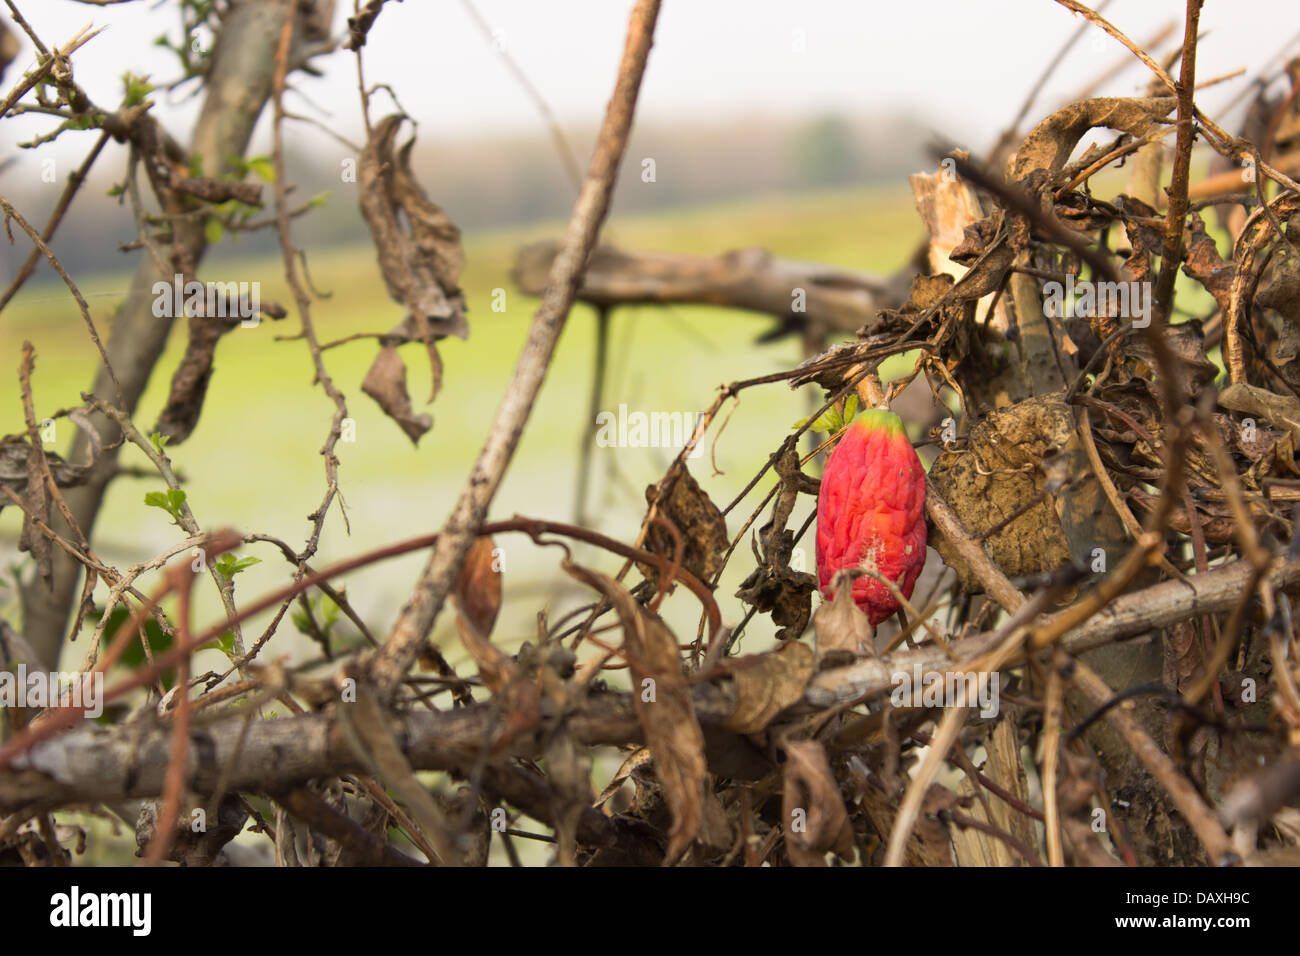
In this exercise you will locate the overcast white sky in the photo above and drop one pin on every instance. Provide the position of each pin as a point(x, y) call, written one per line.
point(961, 65)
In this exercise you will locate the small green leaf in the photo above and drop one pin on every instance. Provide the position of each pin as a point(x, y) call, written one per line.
point(850, 408)
point(329, 611)
point(829, 422)
point(304, 620)
point(262, 166)
point(319, 199)
point(213, 230)
point(159, 441)
point(134, 657)
point(230, 565)
point(170, 501)
point(136, 89)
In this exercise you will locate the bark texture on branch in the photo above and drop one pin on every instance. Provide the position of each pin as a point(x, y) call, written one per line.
point(840, 300)
point(1128, 615)
point(93, 763)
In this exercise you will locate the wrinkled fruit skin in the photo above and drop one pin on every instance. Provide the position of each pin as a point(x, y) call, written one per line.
point(871, 512)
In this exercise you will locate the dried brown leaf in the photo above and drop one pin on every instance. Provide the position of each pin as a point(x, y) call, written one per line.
point(1052, 141)
point(1206, 266)
point(419, 252)
point(767, 684)
point(386, 384)
point(815, 820)
point(371, 737)
point(1188, 342)
point(495, 668)
point(699, 522)
point(478, 601)
point(421, 261)
point(519, 697)
point(1279, 285)
point(976, 238)
point(927, 290)
point(841, 626)
point(1216, 519)
point(36, 506)
point(929, 844)
point(663, 707)
point(775, 586)
point(640, 757)
point(1181, 655)
point(478, 589)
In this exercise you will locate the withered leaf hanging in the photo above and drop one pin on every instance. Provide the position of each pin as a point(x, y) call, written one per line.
point(420, 257)
point(386, 384)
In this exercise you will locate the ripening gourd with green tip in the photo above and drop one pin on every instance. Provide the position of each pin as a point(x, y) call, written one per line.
point(871, 512)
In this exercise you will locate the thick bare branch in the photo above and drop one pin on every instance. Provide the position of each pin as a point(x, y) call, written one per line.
point(95, 763)
point(842, 300)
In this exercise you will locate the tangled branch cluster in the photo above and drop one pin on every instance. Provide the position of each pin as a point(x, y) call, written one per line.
point(1106, 675)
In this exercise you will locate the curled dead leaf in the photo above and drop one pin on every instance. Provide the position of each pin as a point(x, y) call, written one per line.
point(1052, 141)
point(698, 520)
point(841, 627)
point(663, 708)
point(36, 507)
point(478, 589)
point(815, 819)
point(386, 384)
point(519, 697)
point(370, 735)
point(640, 757)
point(478, 599)
point(418, 245)
point(421, 259)
point(767, 684)
point(1280, 411)
point(774, 585)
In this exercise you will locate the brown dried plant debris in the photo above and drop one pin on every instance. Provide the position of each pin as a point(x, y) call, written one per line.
point(774, 586)
point(815, 820)
point(699, 523)
point(997, 474)
point(420, 258)
point(664, 708)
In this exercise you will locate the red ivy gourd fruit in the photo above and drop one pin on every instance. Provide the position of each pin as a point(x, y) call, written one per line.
point(871, 512)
